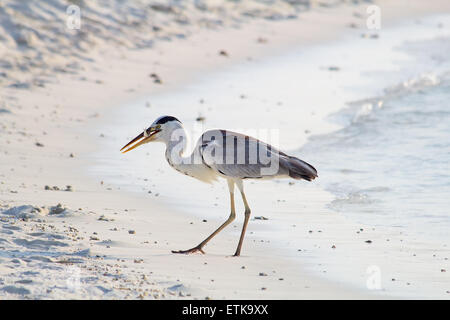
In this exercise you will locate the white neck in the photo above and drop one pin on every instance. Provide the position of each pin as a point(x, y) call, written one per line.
point(176, 140)
point(190, 165)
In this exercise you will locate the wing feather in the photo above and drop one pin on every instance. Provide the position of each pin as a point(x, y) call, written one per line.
point(239, 156)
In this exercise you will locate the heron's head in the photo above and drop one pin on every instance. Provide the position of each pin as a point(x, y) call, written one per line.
point(160, 130)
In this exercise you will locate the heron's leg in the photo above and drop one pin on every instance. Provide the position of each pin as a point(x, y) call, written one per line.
point(247, 217)
point(229, 220)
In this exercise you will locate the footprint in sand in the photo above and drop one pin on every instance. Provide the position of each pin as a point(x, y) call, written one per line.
point(39, 244)
point(15, 290)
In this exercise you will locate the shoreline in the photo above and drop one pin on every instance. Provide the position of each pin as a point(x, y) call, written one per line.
point(189, 199)
point(94, 197)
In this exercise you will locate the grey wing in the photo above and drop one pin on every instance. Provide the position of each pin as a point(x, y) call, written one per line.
point(239, 156)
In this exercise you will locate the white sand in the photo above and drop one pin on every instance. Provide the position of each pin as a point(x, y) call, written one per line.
point(88, 251)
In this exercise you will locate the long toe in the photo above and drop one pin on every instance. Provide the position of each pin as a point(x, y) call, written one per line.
point(193, 250)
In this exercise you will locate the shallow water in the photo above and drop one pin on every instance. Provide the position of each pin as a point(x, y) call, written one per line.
point(390, 165)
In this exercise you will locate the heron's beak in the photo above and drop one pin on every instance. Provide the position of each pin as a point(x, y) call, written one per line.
point(143, 138)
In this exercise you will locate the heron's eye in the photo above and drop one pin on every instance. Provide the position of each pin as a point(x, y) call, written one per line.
point(146, 134)
point(158, 126)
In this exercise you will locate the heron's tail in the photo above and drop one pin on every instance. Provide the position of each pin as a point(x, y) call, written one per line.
point(299, 169)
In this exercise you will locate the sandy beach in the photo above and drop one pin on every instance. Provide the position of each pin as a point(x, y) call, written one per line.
point(79, 220)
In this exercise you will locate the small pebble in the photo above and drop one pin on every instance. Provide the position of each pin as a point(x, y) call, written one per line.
point(261, 218)
point(261, 40)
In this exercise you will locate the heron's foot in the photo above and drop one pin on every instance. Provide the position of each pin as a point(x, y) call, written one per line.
point(189, 251)
point(236, 254)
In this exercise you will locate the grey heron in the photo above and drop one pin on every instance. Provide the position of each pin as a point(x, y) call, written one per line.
point(222, 154)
